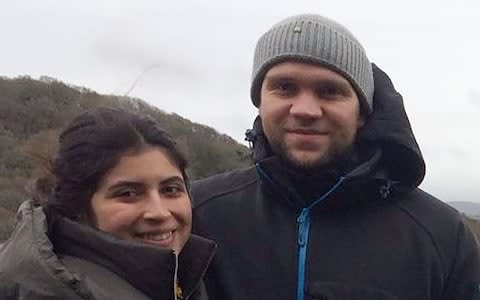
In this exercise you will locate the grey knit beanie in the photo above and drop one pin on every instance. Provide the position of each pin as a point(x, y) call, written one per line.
point(314, 39)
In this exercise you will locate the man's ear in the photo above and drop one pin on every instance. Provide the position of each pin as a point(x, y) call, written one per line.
point(362, 115)
point(361, 120)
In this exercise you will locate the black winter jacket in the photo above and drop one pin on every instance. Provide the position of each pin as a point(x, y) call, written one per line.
point(362, 230)
point(64, 260)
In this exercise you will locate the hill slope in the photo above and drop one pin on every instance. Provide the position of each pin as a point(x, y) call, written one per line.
point(32, 113)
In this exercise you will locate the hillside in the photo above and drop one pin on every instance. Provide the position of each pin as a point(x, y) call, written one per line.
point(33, 112)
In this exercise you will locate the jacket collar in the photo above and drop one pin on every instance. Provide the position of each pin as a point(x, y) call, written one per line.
point(145, 267)
point(299, 189)
point(30, 258)
point(387, 131)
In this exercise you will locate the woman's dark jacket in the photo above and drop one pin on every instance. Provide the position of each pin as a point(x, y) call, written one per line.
point(62, 259)
point(373, 235)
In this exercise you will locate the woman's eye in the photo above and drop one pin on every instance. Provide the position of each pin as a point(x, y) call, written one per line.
point(127, 194)
point(172, 191)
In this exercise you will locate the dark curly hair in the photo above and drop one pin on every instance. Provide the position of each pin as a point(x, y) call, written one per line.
point(88, 148)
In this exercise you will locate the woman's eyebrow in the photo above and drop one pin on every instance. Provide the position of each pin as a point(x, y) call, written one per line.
point(173, 179)
point(124, 183)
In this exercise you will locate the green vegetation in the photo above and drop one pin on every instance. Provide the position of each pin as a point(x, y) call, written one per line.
point(33, 112)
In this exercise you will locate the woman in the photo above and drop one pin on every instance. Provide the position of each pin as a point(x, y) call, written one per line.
point(117, 223)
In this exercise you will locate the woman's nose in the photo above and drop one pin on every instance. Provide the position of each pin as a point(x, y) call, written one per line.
point(156, 207)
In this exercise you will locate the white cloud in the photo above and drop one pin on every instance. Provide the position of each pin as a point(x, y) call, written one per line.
point(194, 58)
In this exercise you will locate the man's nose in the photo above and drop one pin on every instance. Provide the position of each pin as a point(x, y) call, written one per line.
point(306, 106)
point(156, 207)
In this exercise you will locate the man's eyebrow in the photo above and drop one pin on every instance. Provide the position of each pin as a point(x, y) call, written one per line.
point(342, 83)
point(279, 77)
point(339, 82)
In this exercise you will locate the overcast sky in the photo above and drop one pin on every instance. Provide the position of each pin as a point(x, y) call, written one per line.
point(194, 58)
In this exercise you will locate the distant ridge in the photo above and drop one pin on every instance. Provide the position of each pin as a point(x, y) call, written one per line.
point(470, 209)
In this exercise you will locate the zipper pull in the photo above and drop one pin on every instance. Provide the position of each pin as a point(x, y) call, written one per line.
point(302, 221)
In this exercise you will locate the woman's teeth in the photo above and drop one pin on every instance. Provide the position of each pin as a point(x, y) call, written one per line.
point(157, 236)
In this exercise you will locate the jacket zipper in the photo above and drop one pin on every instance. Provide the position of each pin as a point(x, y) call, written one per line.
point(303, 221)
point(175, 278)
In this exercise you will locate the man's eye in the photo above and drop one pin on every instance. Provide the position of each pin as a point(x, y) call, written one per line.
point(329, 91)
point(285, 88)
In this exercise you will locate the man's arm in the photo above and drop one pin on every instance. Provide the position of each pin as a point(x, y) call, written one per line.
point(464, 279)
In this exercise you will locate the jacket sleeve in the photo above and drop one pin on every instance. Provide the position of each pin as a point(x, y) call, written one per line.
point(8, 290)
point(464, 279)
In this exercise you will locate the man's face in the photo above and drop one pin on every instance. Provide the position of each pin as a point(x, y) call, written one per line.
point(310, 114)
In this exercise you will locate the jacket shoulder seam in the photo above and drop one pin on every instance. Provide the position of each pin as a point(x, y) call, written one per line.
point(424, 228)
point(228, 191)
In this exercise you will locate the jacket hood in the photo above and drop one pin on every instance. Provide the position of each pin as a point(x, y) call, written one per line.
point(387, 129)
point(148, 268)
point(27, 258)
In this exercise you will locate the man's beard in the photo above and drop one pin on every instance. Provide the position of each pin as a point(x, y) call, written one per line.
point(337, 158)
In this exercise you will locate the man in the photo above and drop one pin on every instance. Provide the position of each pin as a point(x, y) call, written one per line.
point(331, 209)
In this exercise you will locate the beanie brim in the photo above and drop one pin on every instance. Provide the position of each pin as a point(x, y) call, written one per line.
point(318, 40)
point(256, 86)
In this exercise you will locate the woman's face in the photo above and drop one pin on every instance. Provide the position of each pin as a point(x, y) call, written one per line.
point(144, 198)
